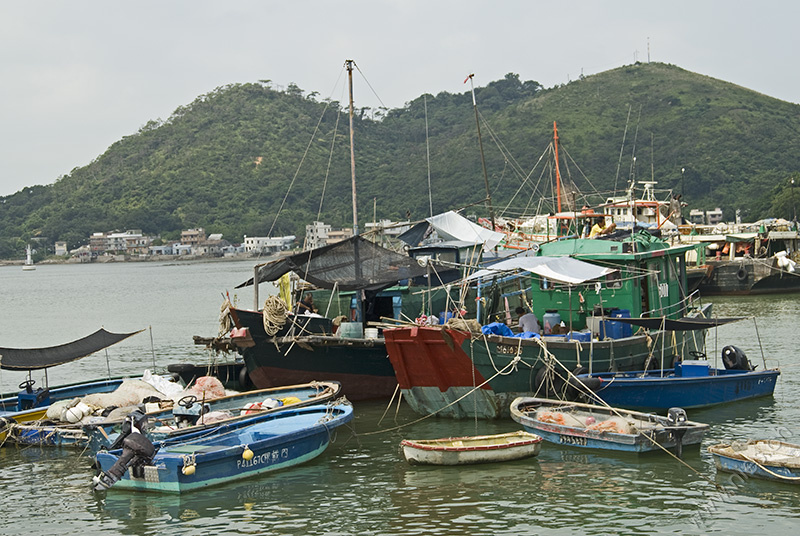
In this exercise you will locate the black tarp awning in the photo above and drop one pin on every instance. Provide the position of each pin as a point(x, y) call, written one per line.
point(681, 324)
point(353, 264)
point(38, 358)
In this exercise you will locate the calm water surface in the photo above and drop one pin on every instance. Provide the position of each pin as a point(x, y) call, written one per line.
point(361, 485)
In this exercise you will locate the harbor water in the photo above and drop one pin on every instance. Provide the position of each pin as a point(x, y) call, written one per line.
point(361, 485)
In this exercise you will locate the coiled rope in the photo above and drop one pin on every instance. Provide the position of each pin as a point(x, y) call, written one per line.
point(274, 313)
point(225, 318)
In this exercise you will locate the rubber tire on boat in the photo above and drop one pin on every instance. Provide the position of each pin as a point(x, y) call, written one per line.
point(573, 392)
point(741, 273)
point(180, 367)
point(245, 384)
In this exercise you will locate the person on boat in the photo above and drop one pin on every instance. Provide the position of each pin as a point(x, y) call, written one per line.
point(527, 321)
point(306, 305)
point(600, 228)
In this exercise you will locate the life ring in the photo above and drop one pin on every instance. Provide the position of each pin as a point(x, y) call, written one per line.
point(741, 273)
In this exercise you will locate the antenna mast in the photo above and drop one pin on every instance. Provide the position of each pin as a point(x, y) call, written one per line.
point(480, 144)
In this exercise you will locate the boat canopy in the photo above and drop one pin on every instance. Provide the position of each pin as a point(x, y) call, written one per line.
point(352, 264)
point(681, 324)
point(740, 237)
point(39, 358)
point(561, 269)
point(453, 226)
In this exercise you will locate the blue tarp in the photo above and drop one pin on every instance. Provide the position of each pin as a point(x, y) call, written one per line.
point(498, 328)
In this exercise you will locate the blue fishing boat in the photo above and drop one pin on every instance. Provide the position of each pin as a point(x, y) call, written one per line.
point(588, 426)
point(230, 452)
point(31, 403)
point(767, 459)
point(192, 415)
point(691, 383)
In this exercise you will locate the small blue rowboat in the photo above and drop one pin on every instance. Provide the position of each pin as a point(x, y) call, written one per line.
point(589, 426)
point(767, 459)
point(230, 452)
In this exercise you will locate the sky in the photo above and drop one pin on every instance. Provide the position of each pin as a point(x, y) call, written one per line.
point(77, 76)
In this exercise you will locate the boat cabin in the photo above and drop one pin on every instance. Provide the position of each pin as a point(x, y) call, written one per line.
point(649, 280)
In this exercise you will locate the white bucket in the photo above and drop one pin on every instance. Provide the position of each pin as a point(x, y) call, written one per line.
point(370, 333)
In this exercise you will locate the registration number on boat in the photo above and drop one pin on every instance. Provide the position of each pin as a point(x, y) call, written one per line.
point(572, 440)
point(507, 349)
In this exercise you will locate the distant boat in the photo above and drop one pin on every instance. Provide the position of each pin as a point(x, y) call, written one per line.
point(28, 266)
point(768, 459)
point(472, 449)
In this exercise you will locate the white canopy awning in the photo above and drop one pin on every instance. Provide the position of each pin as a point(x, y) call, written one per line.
point(452, 226)
point(561, 269)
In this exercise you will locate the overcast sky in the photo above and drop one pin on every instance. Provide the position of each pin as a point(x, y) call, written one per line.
point(76, 76)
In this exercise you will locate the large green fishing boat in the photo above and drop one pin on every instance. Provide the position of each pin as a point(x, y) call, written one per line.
point(460, 374)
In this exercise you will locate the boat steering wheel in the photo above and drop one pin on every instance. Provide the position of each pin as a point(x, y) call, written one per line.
point(187, 401)
point(698, 355)
point(27, 385)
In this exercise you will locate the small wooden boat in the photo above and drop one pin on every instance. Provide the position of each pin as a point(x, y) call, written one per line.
point(589, 426)
point(232, 451)
point(768, 459)
point(472, 449)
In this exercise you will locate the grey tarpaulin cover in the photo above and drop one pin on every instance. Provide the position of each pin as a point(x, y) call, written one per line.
point(38, 358)
point(355, 264)
point(561, 269)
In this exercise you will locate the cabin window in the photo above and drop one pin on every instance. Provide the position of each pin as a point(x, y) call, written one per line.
point(614, 280)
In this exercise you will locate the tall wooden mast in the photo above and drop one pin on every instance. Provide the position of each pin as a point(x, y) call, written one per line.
point(558, 173)
point(349, 66)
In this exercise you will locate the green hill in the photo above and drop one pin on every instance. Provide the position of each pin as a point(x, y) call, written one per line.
point(226, 161)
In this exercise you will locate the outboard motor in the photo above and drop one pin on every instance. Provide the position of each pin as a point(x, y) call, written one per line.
point(676, 416)
point(735, 359)
point(137, 451)
point(188, 411)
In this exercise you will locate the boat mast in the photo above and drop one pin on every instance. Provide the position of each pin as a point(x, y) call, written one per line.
point(483, 160)
point(356, 255)
point(349, 66)
point(558, 173)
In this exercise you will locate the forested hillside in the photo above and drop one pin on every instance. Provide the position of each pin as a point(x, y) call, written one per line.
point(229, 160)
